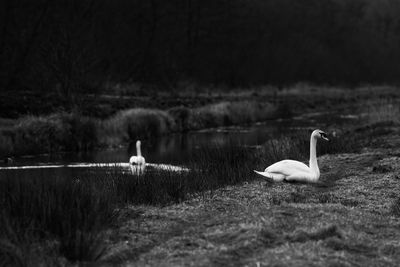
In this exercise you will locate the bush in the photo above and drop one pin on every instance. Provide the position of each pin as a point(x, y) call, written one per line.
point(6, 143)
point(56, 132)
point(130, 125)
point(73, 132)
point(229, 113)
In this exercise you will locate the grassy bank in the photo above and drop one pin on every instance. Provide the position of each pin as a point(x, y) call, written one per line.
point(129, 125)
point(49, 221)
point(74, 132)
point(187, 110)
point(56, 220)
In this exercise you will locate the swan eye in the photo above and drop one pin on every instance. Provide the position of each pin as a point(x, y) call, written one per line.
point(322, 134)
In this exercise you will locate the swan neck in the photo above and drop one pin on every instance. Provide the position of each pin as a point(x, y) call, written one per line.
point(138, 151)
point(313, 155)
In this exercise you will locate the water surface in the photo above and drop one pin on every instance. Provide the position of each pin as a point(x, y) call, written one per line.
point(173, 149)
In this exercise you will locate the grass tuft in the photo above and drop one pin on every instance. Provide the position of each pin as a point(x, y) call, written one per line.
point(356, 248)
point(395, 208)
point(324, 233)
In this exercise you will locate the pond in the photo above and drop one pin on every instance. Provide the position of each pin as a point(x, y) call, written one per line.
point(172, 150)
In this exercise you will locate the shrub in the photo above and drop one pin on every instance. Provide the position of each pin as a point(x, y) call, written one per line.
point(229, 113)
point(56, 132)
point(6, 143)
point(130, 125)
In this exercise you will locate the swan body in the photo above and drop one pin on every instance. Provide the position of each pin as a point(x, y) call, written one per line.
point(138, 163)
point(292, 170)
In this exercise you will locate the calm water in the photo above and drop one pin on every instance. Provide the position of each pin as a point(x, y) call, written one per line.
point(174, 149)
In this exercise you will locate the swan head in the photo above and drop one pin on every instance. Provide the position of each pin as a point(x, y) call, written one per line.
point(138, 143)
point(319, 135)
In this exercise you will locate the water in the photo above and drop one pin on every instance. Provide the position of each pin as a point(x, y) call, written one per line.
point(174, 149)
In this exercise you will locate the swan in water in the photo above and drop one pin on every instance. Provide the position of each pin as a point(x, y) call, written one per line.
point(137, 163)
point(292, 170)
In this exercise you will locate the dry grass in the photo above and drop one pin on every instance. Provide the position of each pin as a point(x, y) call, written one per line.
point(73, 213)
point(383, 110)
point(350, 218)
point(219, 219)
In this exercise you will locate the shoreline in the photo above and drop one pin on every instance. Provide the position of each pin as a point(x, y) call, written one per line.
point(67, 132)
point(234, 223)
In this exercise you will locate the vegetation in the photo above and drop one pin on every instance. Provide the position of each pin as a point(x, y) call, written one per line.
point(45, 134)
point(72, 214)
point(68, 218)
point(133, 124)
point(74, 132)
point(112, 217)
point(383, 110)
point(348, 217)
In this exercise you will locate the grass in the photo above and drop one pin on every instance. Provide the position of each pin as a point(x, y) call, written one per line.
point(230, 113)
point(218, 214)
point(68, 218)
point(45, 134)
point(73, 213)
point(350, 220)
point(383, 110)
point(74, 132)
point(297, 146)
point(69, 212)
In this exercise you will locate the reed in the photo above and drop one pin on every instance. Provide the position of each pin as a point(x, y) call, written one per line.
point(383, 110)
point(74, 213)
point(68, 217)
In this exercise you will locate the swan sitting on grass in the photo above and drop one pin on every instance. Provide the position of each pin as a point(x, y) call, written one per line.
point(292, 170)
point(138, 163)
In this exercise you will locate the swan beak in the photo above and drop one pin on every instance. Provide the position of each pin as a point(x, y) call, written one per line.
point(323, 136)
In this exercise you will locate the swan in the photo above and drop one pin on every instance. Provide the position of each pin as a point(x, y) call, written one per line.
point(292, 170)
point(137, 163)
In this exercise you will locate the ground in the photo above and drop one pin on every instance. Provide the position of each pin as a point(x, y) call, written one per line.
point(350, 218)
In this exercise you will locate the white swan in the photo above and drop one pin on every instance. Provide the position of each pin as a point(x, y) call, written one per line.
point(137, 163)
point(292, 170)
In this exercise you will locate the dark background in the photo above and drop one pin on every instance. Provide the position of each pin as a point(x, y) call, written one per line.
point(67, 46)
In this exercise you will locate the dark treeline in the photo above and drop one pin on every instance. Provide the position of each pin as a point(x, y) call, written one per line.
point(68, 46)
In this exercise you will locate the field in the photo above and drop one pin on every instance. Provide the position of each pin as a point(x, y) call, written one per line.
point(222, 214)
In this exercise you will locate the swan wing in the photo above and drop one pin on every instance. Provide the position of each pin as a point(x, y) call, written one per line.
point(288, 167)
point(274, 176)
point(134, 160)
point(139, 160)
